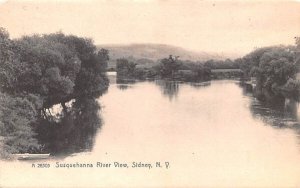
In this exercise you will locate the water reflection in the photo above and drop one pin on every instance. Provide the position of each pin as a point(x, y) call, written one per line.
point(125, 81)
point(75, 131)
point(277, 111)
point(123, 87)
point(169, 89)
point(204, 133)
point(199, 85)
point(124, 84)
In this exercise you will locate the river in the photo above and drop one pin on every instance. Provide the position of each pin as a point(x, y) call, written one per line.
point(210, 134)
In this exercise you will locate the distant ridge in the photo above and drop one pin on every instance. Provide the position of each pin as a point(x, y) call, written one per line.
point(155, 52)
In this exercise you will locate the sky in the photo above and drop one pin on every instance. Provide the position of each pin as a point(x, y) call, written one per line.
point(200, 25)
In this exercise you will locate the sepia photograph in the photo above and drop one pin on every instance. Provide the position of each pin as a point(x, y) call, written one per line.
point(150, 93)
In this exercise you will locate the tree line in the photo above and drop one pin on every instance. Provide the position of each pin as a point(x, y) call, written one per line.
point(39, 71)
point(274, 70)
point(171, 68)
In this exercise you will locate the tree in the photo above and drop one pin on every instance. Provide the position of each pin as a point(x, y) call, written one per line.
point(273, 68)
point(39, 71)
point(59, 67)
point(49, 68)
point(17, 118)
point(125, 68)
point(91, 77)
point(10, 67)
point(298, 53)
point(202, 72)
point(168, 66)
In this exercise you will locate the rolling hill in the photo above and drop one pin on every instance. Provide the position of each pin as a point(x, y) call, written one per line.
point(150, 53)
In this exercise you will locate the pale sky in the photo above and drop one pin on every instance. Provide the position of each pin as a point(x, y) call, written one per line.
point(212, 26)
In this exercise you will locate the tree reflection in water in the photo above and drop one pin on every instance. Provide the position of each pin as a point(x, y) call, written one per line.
point(169, 89)
point(277, 111)
point(75, 130)
point(123, 87)
point(199, 85)
point(125, 84)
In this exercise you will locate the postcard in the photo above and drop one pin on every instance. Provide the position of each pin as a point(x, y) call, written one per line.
point(149, 93)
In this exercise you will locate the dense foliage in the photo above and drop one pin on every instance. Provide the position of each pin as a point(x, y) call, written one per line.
point(222, 64)
point(274, 69)
point(126, 68)
point(168, 68)
point(39, 71)
point(17, 118)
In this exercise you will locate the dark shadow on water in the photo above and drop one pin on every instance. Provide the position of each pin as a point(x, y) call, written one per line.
point(124, 84)
point(124, 87)
point(277, 111)
point(74, 132)
point(169, 89)
point(199, 85)
point(125, 81)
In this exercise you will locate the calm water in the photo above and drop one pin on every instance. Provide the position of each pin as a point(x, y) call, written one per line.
point(212, 134)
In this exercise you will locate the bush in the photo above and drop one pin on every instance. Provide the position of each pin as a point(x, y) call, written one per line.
point(17, 117)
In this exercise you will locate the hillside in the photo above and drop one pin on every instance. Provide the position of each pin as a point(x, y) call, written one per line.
point(155, 52)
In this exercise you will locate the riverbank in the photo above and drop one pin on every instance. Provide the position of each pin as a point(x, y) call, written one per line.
point(59, 68)
point(225, 129)
point(3, 153)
